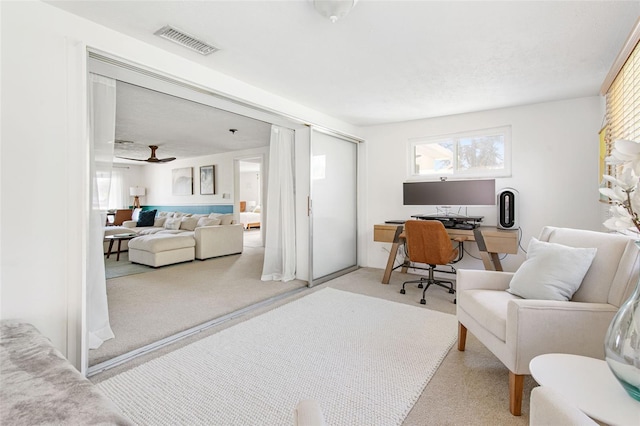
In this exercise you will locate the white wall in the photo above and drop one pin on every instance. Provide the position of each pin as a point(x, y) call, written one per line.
point(157, 179)
point(555, 169)
point(44, 156)
point(250, 185)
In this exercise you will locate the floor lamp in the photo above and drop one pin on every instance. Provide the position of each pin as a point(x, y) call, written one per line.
point(136, 192)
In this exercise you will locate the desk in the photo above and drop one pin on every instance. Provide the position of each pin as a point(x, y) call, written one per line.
point(496, 240)
point(588, 384)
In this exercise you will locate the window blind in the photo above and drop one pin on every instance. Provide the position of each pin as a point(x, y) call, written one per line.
point(623, 104)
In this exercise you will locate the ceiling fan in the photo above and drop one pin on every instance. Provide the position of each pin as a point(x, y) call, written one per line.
point(153, 158)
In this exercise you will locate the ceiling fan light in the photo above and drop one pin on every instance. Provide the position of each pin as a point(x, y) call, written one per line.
point(334, 9)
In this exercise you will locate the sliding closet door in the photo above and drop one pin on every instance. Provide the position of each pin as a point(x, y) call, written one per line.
point(333, 205)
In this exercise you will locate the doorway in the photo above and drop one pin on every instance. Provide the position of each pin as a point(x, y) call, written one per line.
point(224, 194)
point(249, 193)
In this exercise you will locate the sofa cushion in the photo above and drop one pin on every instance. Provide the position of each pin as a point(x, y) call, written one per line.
point(161, 242)
point(552, 271)
point(226, 219)
point(172, 223)
point(149, 231)
point(165, 214)
point(146, 218)
point(188, 223)
point(206, 221)
point(158, 222)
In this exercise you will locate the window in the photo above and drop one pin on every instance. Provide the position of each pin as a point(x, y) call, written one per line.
point(623, 105)
point(478, 153)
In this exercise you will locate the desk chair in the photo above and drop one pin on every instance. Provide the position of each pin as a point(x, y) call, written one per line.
point(428, 242)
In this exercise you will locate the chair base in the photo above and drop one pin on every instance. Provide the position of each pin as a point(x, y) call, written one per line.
point(428, 281)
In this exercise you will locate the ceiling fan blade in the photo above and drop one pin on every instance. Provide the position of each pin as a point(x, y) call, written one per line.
point(153, 158)
point(134, 159)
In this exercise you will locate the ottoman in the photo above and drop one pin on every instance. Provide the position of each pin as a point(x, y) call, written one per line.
point(162, 249)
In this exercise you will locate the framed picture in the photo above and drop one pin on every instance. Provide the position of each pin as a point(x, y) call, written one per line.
point(182, 181)
point(207, 180)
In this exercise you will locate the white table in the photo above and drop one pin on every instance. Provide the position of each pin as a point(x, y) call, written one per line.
point(588, 384)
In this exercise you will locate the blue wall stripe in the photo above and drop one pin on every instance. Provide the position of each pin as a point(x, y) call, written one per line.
point(199, 209)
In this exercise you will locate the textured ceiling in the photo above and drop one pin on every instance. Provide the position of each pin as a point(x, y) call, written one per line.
point(387, 61)
point(180, 128)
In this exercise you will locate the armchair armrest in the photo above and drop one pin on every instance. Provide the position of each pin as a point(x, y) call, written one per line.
point(536, 327)
point(130, 223)
point(469, 279)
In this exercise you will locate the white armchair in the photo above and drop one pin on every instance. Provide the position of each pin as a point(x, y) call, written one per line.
point(516, 330)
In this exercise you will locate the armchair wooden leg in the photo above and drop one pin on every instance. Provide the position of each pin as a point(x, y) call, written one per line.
point(516, 386)
point(462, 336)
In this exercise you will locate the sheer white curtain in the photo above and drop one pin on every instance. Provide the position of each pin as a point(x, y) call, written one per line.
point(102, 122)
point(280, 239)
point(118, 193)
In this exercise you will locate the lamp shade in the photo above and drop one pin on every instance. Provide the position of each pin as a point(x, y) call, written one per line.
point(136, 191)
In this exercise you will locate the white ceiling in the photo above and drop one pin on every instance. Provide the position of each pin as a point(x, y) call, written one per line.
point(391, 61)
point(180, 128)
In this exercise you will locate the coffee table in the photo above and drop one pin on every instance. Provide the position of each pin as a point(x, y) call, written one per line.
point(119, 238)
point(588, 384)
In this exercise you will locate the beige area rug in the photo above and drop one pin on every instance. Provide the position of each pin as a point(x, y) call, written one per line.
point(148, 307)
point(365, 360)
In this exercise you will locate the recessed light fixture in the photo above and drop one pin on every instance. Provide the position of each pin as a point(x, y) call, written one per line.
point(334, 9)
point(183, 39)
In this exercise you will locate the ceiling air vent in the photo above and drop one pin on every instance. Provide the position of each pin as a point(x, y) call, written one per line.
point(184, 39)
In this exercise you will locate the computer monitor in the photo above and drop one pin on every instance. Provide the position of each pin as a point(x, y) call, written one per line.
point(450, 193)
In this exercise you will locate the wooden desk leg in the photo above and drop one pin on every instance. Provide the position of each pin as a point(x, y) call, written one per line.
point(496, 261)
point(119, 246)
point(110, 247)
point(491, 261)
point(392, 257)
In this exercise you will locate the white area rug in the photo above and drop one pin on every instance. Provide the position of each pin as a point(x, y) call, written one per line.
point(365, 360)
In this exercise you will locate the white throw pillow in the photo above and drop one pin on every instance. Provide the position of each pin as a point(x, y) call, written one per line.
point(205, 221)
point(158, 222)
point(552, 271)
point(172, 223)
point(257, 209)
point(135, 214)
point(188, 223)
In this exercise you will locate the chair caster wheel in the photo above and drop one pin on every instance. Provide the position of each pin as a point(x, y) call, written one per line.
point(423, 302)
point(451, 291)
point(402, 291)
point(420, 285)
point(454, 301)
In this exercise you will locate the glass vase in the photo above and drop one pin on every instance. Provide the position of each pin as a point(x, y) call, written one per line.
point(622, 344)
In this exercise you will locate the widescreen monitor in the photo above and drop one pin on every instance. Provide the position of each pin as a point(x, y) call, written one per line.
point(450, 193)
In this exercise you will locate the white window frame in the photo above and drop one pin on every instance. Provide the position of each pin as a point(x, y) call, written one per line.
point(505, 131)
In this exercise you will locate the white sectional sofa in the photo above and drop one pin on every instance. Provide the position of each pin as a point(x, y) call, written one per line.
point(214, 235)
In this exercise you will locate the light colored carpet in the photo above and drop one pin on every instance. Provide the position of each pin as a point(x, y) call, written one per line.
point(145, 308)
point(365, 360)
point(123, 267)
point(469, 388)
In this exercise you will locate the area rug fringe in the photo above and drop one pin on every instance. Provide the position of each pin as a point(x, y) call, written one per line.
point(365, 360)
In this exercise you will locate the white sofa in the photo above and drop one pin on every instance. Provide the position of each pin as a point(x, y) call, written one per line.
point(214, 234)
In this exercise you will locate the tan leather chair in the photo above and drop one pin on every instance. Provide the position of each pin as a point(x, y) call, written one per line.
point(516, 330)
point(429, 243)
point(121, 216)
